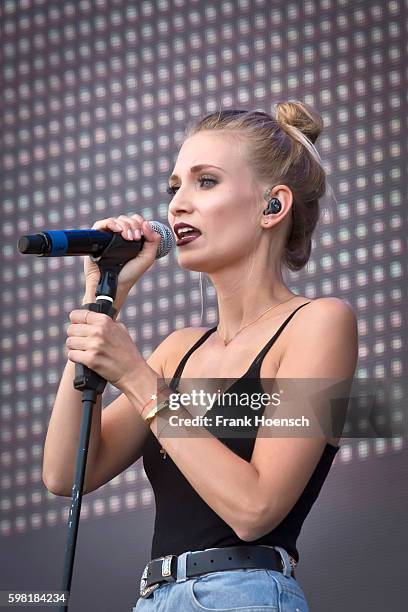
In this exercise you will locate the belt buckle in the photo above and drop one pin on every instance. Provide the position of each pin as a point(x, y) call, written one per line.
point(146, 591)
point(166, 566)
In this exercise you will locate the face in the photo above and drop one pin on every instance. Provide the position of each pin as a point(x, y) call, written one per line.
point(218, 198)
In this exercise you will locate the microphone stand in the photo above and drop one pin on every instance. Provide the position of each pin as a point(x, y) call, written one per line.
point(114, 257)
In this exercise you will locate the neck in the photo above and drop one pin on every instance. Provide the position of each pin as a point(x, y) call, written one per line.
point(242, 299)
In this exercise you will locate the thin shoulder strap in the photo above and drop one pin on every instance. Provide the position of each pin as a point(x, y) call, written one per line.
point(259, 358)
point(176, 377)
point(256, 363)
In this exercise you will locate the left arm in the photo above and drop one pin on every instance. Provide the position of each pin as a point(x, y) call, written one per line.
point(261, 493)
point(323, 345)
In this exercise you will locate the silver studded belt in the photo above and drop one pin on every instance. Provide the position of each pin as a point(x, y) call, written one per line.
point(164, 569)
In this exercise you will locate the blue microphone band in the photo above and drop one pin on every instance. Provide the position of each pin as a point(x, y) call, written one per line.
point(58, 241)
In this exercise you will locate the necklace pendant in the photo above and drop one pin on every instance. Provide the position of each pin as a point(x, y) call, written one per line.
point(226, 342)
point(163, 452)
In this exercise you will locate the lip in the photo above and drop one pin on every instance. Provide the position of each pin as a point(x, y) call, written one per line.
point(183, 241)
point(181, 224)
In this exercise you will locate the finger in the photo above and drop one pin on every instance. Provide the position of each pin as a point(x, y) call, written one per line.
point(87, 317)
point(137, 225)
point(131, 225)
point(122, 224)
point(78, 316)
point(80, 357)
point(110, 222)
point(137, 217)
point(114, 225)
point(78, 329)
point(77, 343)
point(149, 232)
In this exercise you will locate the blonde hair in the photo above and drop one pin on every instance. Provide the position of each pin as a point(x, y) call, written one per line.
point(280, 150)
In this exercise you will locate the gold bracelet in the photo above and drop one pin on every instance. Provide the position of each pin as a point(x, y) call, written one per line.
point(156, 408)
point(164, 404)
point(152, 399)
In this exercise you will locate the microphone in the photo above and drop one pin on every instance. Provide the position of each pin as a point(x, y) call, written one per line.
point(59, 243)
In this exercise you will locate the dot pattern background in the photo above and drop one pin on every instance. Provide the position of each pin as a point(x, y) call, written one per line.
point(95, 99)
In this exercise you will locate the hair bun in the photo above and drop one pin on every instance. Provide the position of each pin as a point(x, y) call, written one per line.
point(301, 116)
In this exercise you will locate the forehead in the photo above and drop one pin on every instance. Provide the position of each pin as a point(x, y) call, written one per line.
point(210, 147)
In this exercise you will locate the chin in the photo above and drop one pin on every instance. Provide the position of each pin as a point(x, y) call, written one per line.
point(193, 266)
point(201, 266)
point(200, 263)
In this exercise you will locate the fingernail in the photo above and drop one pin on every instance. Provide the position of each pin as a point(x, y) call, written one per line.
point(130, 235)
point(137, 234)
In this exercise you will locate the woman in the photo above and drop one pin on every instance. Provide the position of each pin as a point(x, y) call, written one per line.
point(228, 509)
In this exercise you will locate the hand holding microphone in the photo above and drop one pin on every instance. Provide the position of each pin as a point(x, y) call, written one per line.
point(121, 249)
point(130, 228)
point(137, 244)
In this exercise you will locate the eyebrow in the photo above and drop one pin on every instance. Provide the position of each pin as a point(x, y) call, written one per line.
point(197, 168)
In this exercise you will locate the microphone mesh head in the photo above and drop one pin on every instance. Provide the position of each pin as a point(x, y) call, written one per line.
point(167, 240)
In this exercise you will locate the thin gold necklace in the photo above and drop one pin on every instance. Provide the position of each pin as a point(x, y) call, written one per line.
point(226, 342)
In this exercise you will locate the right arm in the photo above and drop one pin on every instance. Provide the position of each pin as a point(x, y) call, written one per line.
point(117, 437)
point(108, 454)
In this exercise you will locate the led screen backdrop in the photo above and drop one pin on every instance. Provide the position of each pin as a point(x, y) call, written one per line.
point(95, 99)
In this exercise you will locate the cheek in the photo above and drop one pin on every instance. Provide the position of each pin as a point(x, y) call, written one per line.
point(233, 205)
point(222, 212)
point(231, 222)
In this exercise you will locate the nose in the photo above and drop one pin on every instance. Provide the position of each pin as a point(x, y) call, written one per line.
point(178, 206)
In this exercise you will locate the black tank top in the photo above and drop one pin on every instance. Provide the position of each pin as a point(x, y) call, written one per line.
point(183, 520)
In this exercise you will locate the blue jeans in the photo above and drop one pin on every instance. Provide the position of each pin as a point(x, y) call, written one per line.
point(241, 590)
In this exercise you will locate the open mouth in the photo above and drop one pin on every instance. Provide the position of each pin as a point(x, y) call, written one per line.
point(188, 237)
point(186, 233)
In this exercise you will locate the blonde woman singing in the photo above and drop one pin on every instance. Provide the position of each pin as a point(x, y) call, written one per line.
point(228, 509)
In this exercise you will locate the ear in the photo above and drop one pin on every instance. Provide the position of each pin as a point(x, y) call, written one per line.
point(285, 197)
point(282, 192)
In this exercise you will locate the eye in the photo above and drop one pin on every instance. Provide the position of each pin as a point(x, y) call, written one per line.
point(207, 178)
point(172, 189)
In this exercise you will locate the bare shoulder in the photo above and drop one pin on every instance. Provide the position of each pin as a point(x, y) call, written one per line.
point(333, 309)
point(325, 327)
point(333, 303)
point(321, 343)
point(328, 302)
point(322, 312)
